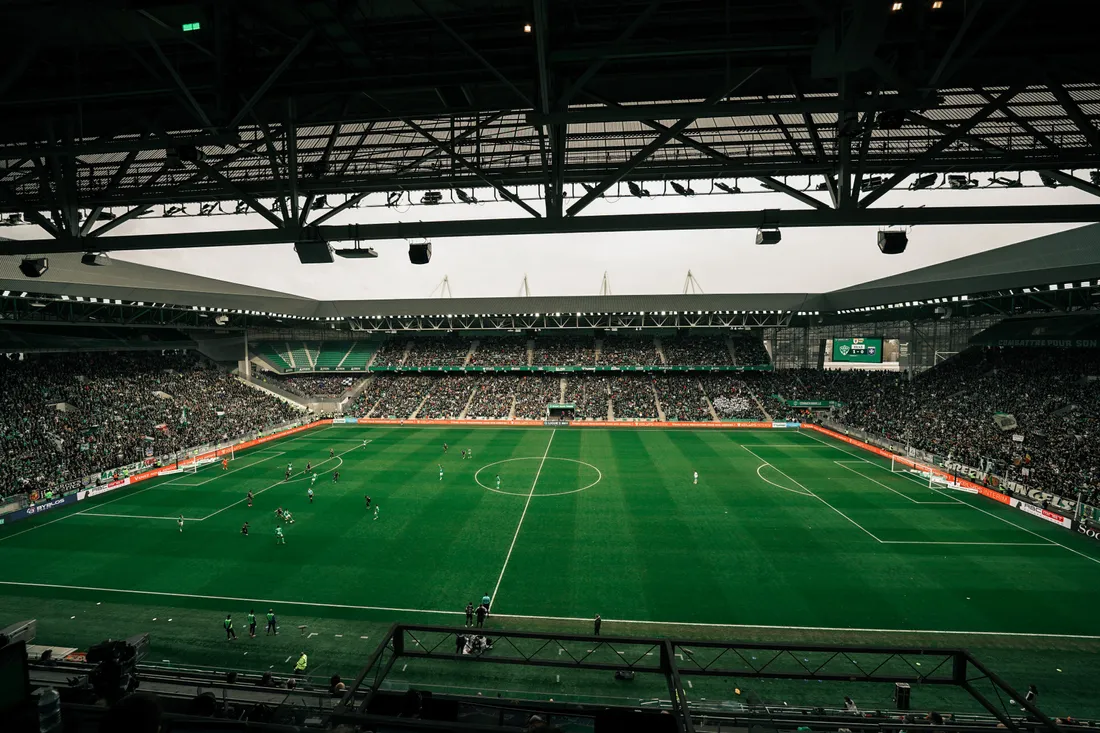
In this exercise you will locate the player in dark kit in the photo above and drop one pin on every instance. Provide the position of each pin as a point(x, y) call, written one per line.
point(309, 466)
point(331, 453)
point(482, 612)
point(287, 476)
point(244, 529)
point(444, 447)
point(470, 613)
point(335, 476)
point(250, 498)
point(367, 497)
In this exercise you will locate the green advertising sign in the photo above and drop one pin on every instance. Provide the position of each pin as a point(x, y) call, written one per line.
point(813, 403)
point(861, 350)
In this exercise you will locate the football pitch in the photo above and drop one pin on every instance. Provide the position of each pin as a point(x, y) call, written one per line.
point(787, 536)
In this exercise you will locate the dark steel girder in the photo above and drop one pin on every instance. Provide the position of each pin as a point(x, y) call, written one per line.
point(1061, 214)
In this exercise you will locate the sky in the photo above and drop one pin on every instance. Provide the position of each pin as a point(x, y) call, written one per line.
point(722, 261)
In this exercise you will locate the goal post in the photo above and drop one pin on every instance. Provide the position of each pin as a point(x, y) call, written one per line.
point(931, 477)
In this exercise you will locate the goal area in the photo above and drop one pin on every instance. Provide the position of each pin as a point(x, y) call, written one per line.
point(930, 476)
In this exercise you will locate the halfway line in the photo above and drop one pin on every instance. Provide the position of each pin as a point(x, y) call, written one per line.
point(530, 494)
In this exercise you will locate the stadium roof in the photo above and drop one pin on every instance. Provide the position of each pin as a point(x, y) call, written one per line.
point(1068, 257)
point(111, 109)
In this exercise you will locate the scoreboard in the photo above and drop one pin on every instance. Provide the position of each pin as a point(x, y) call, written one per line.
point(863, 350)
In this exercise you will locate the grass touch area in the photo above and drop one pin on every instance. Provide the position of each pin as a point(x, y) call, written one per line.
point(786, 537)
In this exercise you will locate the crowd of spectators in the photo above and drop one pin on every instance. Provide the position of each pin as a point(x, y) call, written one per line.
point(390, 353)
point(681, 397)
point(446, 350)
point(749, 350)
point(534, 392)
point(590, 393)
point(393, 395)
point(308, 385)
point(950, 411)
point(500, 351)
point(692, 350)
point(632, 397)
point(628, 351)
point(564, 351)
point(731, 396)
point(447, 397)
point(493, 395)
point(66, 416)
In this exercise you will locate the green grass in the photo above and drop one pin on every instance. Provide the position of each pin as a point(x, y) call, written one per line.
point(786, 538)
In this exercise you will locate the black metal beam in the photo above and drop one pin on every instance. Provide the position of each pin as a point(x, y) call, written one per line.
point(779, 186)
point(248, 198)
point(1084, 124)
point(473, 52)
point(597, 62)
point(273, 77)
point(192, 103)
point(653, 145)
point(695, 110)
point(956, 134)
point(1059, 214)
point(473, 168)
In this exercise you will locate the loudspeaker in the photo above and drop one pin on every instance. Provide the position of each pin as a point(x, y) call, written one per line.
point(313, 252)
point(34, 267)
point(420, 254)
point(768, 236)
point(892, 243)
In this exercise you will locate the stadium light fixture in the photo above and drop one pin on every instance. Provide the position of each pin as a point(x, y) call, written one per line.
point(207, 209)
point(526, 27)
point(896, 7)
point(682, 190)
point(1048, 181)
point(636, 190)
point(728, 189)
point(1006, 182)
point(960, 182)
point(937, 4)
point(926, 180)
point(241, 207)
point(466, 198)
point(34, 267)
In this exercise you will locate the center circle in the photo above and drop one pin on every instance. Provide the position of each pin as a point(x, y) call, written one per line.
point(542, 460)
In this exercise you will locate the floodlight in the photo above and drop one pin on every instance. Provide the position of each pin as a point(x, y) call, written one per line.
point(961, 182)
point(466, 198)
point(636, 190)
point(1048, 181)
point(1094, 176)
point(1006, 182)
point(682, 190)
point(925, 180)
point(94, 259)
point(34, 267)
point(892, 242)
point(430, 198)
point(728, 189)
point(357, 252)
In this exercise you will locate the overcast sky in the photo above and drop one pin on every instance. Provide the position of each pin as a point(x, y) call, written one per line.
point(726, 261)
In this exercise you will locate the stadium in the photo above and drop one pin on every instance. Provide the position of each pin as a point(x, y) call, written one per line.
point(547, 365)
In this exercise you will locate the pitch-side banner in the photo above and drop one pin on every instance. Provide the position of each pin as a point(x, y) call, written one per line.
point(1052, 517)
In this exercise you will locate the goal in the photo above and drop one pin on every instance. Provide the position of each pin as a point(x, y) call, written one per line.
point(931, 477)
point(191, 464)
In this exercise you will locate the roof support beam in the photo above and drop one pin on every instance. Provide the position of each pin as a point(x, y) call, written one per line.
point(971, 13)
point(473, 52)
point(702, 110)
point(192, 103)
point(780, 187)
point(788, 218)
point(654, 145)
point(819, 147)
point(473, 168)
point(1083, 123)
point(273, 77)
point(957, 134)
point(598, 62)
point(1064, 178)
point(248, 198)
point(31, 214)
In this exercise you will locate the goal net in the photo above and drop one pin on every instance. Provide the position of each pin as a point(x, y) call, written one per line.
point(191, 464)
point(931, 477)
